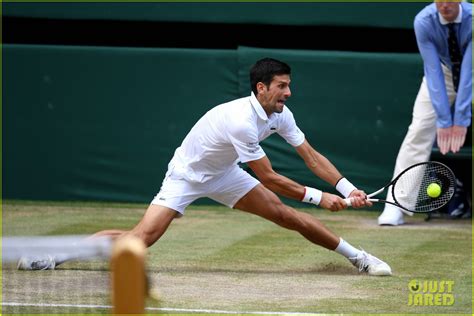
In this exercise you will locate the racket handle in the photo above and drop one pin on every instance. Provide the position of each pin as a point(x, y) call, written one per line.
point(348, 201)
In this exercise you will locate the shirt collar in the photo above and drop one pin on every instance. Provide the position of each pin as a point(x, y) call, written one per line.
point(258, 107)
point(458, 19)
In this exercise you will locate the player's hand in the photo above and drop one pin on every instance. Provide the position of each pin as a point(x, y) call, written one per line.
point(444, 139)
point(458, 136)
point(359, 199)
point(332, 202)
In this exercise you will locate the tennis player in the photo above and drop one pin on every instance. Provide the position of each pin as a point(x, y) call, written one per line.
point(206, 165)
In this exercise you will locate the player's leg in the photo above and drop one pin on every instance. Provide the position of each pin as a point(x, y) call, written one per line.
point(237, 189)
point(151, 227)
point(262, 202)
point(176, 193)
point(154, 223)
point(113, 233)
point(174, 196)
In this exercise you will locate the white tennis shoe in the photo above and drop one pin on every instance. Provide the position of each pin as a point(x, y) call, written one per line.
point(36, 263)
point(391, 216)
point(373, 266)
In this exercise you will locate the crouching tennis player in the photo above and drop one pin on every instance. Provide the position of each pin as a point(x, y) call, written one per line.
point(206, 165)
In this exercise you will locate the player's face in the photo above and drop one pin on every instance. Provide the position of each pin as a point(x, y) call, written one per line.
point(273, 97)
point(449, 10)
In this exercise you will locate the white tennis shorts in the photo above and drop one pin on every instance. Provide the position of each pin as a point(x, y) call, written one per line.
point(177, 193)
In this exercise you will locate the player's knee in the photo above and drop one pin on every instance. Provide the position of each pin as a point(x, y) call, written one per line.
point(149, 237)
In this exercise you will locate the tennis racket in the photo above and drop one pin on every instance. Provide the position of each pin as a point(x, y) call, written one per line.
point(409, 188)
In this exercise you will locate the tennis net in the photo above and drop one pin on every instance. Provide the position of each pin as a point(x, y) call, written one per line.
point(74, 275)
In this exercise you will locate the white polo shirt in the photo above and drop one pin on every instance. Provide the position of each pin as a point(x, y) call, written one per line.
point(229, 133)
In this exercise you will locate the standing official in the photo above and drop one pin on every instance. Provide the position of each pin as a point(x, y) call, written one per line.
point(442, 108)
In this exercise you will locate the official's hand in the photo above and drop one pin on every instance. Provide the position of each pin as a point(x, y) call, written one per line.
point(332, 202)
point(444, 139)
point(458, 136)
point(359, 199)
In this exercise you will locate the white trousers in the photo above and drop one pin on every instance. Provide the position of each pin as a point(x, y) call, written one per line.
point(419, 140)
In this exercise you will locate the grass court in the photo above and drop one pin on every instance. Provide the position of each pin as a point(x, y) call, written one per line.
point(219, 260)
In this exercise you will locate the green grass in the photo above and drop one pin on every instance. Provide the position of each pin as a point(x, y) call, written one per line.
point(222, 259)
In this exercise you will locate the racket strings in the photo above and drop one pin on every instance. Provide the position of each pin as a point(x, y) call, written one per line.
point(410, 190)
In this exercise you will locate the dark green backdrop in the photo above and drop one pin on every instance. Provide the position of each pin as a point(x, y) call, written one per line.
point(88, 123)
point(378, 14)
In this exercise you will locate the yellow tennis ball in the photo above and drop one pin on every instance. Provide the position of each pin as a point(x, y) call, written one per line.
point(433, 190)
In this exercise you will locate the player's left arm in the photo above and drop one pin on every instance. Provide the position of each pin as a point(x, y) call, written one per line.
point(324, 169)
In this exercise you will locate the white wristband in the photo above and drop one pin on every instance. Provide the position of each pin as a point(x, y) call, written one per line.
point(345, 187)
point(312, 195)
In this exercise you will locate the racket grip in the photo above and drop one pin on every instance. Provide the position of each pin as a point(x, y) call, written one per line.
point(348, 201)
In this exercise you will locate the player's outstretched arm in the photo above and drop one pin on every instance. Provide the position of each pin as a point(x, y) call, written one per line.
point(324, 169)
point(291, 189)
point(318, 164)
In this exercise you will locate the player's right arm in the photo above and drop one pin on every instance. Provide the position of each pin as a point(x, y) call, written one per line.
point(286, 187)
point(244, 138)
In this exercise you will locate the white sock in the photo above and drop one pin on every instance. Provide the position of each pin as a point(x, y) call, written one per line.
point(346, 249)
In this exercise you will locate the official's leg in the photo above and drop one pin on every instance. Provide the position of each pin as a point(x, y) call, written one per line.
point(416, 147)
point(418, 142)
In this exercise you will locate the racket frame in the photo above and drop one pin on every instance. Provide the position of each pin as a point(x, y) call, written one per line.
point(392, 183)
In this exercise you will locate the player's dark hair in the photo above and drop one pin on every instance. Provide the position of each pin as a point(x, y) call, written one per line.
point(265, 69)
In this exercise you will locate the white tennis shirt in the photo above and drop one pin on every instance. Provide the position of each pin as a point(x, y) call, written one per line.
point(229, 133)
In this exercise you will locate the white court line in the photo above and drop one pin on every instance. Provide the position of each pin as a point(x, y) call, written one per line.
point(213, 311)
point(54, 305)
point(163, 309)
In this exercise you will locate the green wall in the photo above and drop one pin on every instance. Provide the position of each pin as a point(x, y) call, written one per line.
point(90, 123)
point(101, 123)
point(379, 14)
